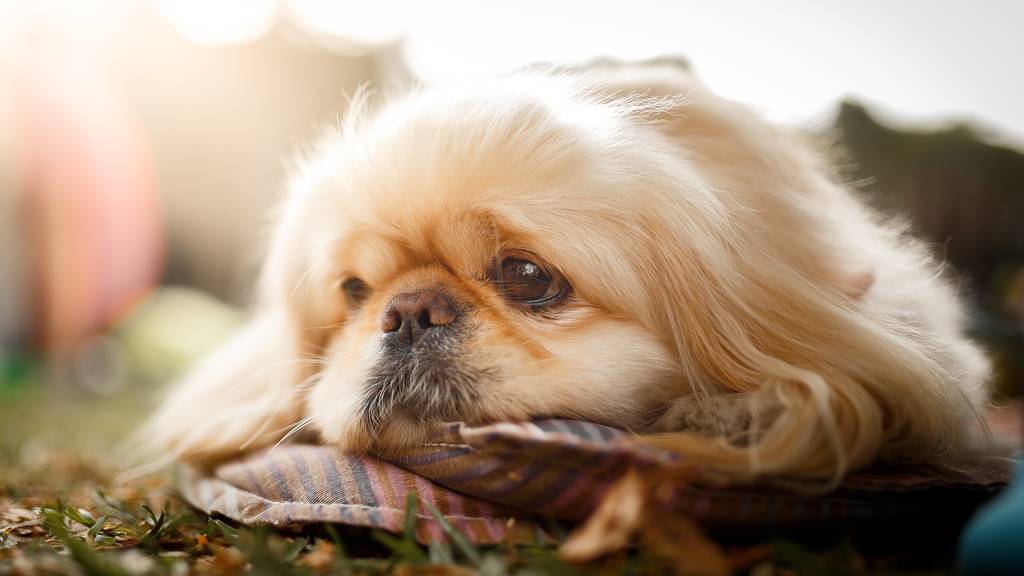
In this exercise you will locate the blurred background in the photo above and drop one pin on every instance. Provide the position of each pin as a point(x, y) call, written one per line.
point(142, 144)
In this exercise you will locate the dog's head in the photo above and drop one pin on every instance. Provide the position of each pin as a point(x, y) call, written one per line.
point(510, 249)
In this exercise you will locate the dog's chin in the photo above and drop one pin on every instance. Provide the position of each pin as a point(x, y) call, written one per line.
point(407, 395)
point(404, 429)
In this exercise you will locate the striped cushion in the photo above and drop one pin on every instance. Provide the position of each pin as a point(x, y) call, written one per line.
point(498, 480)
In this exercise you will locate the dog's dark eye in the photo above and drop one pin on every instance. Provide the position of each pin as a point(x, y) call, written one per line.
point(527, 282)
point(355, 290)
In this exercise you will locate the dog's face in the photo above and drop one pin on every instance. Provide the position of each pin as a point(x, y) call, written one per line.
point(481, 257)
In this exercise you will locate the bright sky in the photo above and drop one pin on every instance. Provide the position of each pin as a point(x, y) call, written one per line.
point(794, 59)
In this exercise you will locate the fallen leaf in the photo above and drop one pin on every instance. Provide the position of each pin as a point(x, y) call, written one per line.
point(681, 542)
point(641, 505)
point(228, 561)
point(321, 558)
point(612, 525)
point(17, 515)
point(748, 557)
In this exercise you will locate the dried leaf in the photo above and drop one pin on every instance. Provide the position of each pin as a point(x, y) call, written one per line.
point(636, 506)
point(321, 558)
point(17, 515)
point(680, 541)
point(747, 557)
point(612, 525)
point(228, 561)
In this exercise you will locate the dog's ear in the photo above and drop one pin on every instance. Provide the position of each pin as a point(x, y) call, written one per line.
point(241, 397)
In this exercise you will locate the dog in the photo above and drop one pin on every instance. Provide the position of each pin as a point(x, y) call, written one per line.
point(617, 245)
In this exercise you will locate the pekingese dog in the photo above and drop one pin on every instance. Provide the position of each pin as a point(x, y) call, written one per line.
point(616, 245)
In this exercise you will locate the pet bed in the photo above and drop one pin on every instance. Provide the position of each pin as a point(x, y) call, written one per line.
point(508, 480)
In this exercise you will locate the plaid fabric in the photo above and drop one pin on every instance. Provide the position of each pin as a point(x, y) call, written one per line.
point(303, 484)
point(495, 481)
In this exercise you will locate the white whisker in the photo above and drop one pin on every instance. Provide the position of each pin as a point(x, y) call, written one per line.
point(295, 430)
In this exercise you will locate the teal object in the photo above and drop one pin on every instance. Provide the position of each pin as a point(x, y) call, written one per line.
point(993, 542)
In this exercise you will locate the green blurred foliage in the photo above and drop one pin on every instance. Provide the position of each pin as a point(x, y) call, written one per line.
point(171, 330)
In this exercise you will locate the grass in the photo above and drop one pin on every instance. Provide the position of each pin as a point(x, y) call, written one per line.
point(123, 535)
point(62, 512)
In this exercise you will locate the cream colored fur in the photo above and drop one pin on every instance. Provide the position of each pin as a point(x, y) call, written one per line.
point(732, 300)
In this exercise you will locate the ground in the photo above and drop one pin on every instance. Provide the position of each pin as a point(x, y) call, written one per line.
point(63, 510)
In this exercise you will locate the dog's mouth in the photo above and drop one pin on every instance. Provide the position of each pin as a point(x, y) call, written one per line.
point(420, 385)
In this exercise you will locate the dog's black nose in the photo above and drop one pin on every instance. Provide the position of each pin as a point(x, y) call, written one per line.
point(411, 315)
